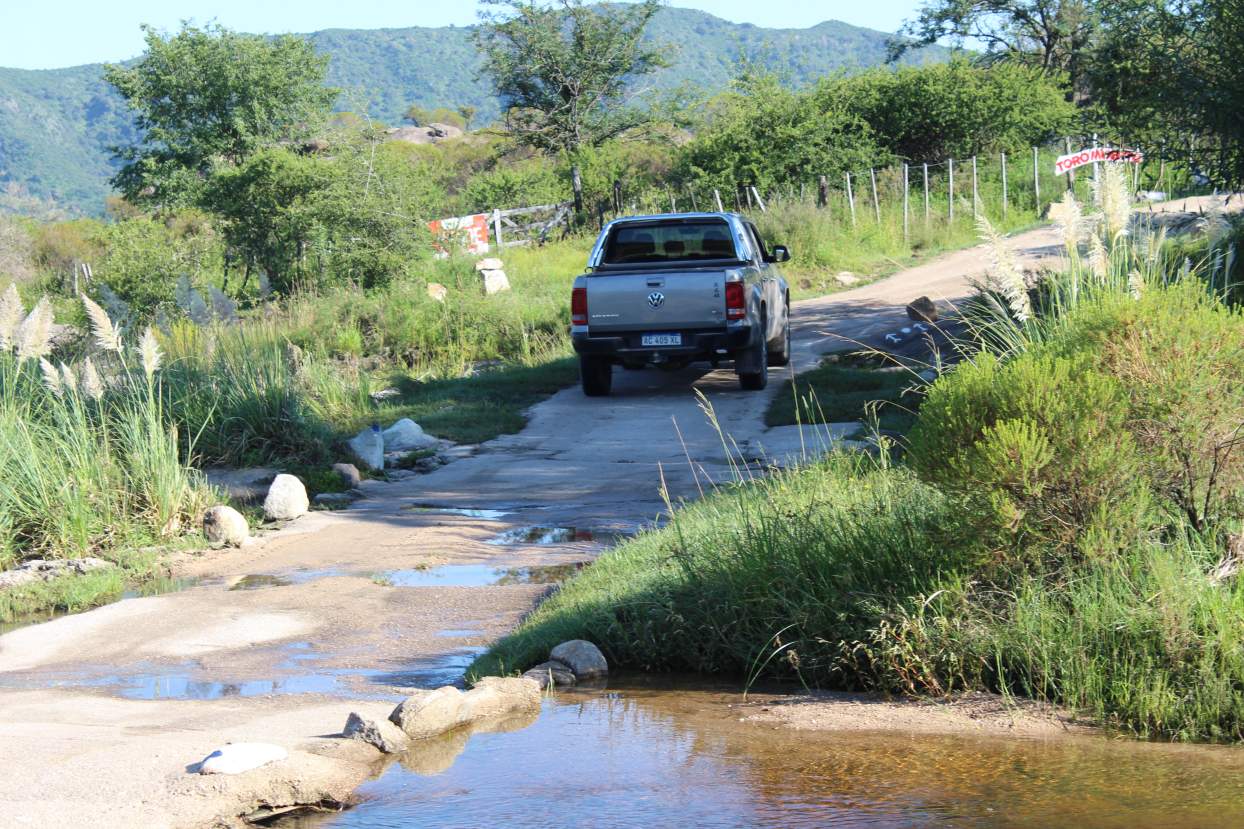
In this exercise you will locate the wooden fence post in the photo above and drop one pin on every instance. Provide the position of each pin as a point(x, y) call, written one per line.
point(1004, 185)
point(1071, 174)
point(975, 191)
point(617, 196)
point(851, 199)
point(1036, 180)
point(717, 196)
point(673, 204)
point(759, 201)
point(905, 200)
point(496, 227)
point(691, 195)
point(872, 175)
point(822, 191)
point(926, 194)
point(950, 190)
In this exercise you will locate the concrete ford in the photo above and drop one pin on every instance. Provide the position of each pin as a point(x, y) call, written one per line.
point(678, 288)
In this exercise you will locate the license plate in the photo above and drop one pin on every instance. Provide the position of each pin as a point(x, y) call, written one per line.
point(661, 339)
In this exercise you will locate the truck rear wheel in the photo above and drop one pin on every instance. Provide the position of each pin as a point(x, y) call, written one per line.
point(596, 375)
point(753, 369)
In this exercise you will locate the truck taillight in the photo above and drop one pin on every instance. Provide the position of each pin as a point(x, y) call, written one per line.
point(578, 306)
point(736, 304)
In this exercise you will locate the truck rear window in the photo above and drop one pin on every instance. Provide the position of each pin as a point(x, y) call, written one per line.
point(668, 242)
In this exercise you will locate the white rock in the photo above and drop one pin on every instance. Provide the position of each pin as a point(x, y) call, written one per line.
point(437, 291)
point(224, 525)
point(236, 758)
point(407, 436)
point(287, 499)
point(582, 657)
point(495, 282)
point(847, 278)
point(490, 264)
point(368, 445)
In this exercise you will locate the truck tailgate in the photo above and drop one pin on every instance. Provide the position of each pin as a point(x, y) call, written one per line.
point(660, 301)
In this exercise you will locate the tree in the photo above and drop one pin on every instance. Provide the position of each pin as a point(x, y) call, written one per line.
point(955, 109)
point(1052, 34)
point(468, 115)
point(564, 70)
point(1171, 73)
point(210, 96)
point(803, 136)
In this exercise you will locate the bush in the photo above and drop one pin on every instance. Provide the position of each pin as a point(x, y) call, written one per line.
point(1131, 405)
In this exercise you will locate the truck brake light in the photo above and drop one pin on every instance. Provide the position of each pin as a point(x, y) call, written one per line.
point(736, 304)
point(578, 306)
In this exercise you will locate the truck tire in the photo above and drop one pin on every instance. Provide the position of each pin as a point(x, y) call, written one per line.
point(596, 375)
point(780, 356)
point(753, 369)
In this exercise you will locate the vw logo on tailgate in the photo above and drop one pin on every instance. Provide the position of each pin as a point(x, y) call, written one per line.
point(656, 299)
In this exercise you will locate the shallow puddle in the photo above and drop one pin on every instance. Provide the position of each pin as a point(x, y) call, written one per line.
point(552, 535)
point(465, 512)
point(632, 756)
point(259, 581)
point(182, 686)
point(479, 575)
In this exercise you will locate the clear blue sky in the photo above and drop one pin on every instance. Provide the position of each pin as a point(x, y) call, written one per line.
point(44, 34)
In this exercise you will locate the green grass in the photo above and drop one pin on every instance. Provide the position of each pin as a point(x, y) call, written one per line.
point(479, 408)
point(849, 387)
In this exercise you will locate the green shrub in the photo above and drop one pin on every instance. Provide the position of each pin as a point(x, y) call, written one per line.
point(1129, 405)
point(1036, 447)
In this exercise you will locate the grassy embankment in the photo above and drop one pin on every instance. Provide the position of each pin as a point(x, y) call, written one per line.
point(1064, 526)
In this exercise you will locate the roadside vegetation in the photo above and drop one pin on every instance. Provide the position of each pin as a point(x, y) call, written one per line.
point(277, 251)
point(1064, 522)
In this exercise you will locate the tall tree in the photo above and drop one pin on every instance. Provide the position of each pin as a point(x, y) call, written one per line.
point(564, 70)
point(1052, 34)
point(1171, 72)
point(208, 95)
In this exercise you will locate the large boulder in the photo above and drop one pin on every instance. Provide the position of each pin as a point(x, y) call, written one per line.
point(236, 758)
point(349, 474)
point(429, 713)
point(922, 309)
point(847, 278)
point(287, 499)
point(407, 436)
point(582, 657)
point(225, 526)
point(384, 735)
point(368, 447)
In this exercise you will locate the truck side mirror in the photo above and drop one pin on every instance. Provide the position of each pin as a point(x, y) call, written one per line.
point(780, 253)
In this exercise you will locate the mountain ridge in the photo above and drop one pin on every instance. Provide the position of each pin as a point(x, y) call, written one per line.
point(56, 125)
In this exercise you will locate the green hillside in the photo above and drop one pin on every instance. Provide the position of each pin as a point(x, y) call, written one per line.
point(56, 125)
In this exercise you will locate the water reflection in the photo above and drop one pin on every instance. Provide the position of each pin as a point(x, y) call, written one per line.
point(642, 757)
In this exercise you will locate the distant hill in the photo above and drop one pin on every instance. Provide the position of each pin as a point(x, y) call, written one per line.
point(56, 125)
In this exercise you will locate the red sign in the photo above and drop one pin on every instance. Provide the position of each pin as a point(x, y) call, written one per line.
point(1092, 155)
point(468, 233)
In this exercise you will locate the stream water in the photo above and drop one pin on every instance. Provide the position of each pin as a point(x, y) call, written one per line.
point(634, 756)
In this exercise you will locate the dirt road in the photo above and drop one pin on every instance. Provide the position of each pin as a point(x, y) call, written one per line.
point(102, 713)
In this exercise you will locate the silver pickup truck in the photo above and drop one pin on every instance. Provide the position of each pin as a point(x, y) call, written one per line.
point(678, 288)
